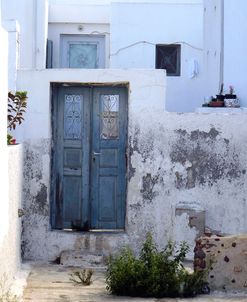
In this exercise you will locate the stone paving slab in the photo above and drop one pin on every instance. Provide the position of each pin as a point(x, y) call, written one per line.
point(51, 283)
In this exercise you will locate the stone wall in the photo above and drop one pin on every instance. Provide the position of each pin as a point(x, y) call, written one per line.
point(225, 257)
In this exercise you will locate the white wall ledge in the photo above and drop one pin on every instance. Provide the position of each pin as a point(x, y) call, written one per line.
point(221, 110)
point(11, 25)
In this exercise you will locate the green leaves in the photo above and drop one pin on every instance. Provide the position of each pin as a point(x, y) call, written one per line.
point(17, 104)
point(154, 273)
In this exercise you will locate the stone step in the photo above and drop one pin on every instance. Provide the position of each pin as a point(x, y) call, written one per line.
point(84, 259)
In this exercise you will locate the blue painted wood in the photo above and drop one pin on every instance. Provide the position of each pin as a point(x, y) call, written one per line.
point(89, 164)
point(108, 177)
point(71, 158)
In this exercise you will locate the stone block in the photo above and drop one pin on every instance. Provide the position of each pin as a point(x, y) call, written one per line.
point(225, 259)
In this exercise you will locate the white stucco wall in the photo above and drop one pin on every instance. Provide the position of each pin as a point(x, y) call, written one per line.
point(164, 21)
point(32, 17)
point(11, 176)
point(4, 205)
point(37, 84)
point(13, 29)
point(160, 23)
point(213, 46)
point(172, 158)
point(235, 48)
point(12, 248)
point(23, 12)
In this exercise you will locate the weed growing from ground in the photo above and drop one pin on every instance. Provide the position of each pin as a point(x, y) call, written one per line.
point(83, 277)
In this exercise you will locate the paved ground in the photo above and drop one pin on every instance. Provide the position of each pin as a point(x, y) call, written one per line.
point(51, 283)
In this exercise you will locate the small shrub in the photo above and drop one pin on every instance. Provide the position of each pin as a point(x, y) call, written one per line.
point(154, 273)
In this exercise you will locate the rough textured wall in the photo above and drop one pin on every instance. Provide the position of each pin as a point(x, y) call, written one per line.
point(225, 257)
point(172, 158)
point(186, 157)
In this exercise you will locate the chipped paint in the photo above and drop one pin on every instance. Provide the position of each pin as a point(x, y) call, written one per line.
point(198, 152)
point(171, 158)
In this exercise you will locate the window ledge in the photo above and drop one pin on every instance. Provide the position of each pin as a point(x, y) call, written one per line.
point(220, 110)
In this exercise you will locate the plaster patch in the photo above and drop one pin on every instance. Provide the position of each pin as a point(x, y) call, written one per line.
point(184, 232)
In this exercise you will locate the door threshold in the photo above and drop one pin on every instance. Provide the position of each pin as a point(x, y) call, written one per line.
point(107, 230)
point(113, 231)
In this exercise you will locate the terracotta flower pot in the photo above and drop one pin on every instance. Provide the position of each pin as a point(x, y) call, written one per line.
point(216, 104)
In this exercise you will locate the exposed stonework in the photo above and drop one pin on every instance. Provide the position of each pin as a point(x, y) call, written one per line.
point(225, 258)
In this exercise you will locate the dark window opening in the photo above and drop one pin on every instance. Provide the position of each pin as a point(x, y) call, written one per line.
point(168, 57)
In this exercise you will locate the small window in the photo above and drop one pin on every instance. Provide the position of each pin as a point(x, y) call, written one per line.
point(168, 57)
point(78, 51)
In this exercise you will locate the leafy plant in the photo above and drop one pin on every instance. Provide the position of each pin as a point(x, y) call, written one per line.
point(17, 104)
point(83, 277)
point(9, 139)
point(154, 273)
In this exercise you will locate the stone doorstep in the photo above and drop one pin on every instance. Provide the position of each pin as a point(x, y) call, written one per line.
point(84, 259)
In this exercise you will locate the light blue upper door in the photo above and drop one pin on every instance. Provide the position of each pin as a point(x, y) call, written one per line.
point(89, 163)
point(82, 51)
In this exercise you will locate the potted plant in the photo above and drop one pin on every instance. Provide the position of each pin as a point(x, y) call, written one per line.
point(231, 99)
point(218, 101)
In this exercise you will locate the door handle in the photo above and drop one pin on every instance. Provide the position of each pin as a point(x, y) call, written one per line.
point(96, 153)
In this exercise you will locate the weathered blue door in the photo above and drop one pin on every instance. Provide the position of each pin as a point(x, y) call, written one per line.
point(89, 162)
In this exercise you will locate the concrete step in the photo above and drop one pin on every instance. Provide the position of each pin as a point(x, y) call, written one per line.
point(83, 259)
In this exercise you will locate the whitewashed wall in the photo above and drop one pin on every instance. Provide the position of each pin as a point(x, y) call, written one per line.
point(225, 48)
point(235, 47)
point(12, 248)
point(165, 21)
point(11, 176)
point(172, 158)
point(32, 17)
point(160, 23)
point(213, 46)
point(13, 29)
point(4, 204)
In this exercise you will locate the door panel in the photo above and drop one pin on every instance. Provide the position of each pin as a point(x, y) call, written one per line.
point(89, 158)
point(108, 158)
point(82, 51)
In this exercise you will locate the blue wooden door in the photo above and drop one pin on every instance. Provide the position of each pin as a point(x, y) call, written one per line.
point(108, 158)
point(89, 162)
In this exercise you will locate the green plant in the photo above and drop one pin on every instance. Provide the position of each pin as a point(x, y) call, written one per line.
point(83, 277)
point(17, 104)
point(9, 139)
point(154, 273)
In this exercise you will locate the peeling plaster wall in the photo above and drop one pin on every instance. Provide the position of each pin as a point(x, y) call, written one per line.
point(172, 158)
point(187, 157)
